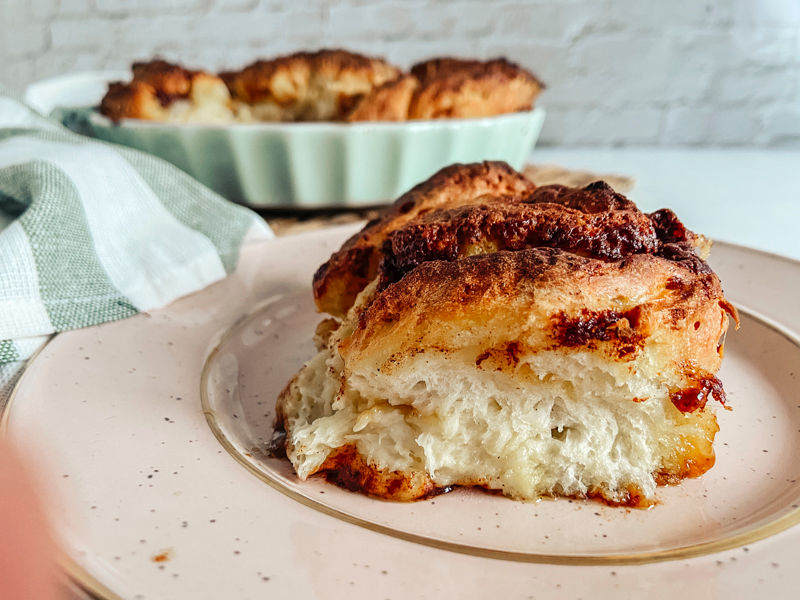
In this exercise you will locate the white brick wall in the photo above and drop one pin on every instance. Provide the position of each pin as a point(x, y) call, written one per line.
point(717, 72)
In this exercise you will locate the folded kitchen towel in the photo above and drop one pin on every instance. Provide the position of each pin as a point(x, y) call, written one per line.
point(92, 232)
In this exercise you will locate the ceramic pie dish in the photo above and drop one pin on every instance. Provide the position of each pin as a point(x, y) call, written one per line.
point(297, 165)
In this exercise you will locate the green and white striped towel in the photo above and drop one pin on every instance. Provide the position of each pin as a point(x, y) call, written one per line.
point(91, 232)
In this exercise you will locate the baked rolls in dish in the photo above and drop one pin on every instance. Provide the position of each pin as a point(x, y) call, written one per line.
point(539, 341)
point(452, 87)
point(162, 91)
point(327, 85)
point(308, 86)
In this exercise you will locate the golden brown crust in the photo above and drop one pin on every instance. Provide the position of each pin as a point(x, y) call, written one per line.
point(154, 87)
point(594, 221)
point(335, 85)
point(569, 292)
point(479, 208)
point(259, 80)
point(338, 281)
point(281, 80)
point(169, 78)
point(459, 88)
point(348, 468)
point(445, 66)
point(135, 100)
point(451, 87)
point(323, 85)
point(388, 102)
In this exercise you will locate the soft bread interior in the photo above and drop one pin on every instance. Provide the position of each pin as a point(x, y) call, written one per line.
point(560, 423)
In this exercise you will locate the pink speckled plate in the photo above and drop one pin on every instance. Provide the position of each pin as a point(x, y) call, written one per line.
point(153, 428)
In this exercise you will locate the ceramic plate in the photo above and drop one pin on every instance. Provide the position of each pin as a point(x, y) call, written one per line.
point(154, 432)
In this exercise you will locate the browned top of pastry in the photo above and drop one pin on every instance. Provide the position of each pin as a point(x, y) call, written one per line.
point(592, 221)
point(387, 102)
point(168, 79)
point(484, 208)
point(451, 87)
point(332, 85)
point(545, 298)
point(340, 279)
point(155, 85)
point(444, 67)
point(305, 77)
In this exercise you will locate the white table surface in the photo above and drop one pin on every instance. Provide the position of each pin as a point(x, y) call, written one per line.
point(745, 196)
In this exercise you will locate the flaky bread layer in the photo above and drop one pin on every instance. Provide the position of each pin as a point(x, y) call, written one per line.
point(591, 379)
point(568, 424)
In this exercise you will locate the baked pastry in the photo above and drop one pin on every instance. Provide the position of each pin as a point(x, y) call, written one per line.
point(162, 91)
point(546, 341)
point(469, 88)
point(388, 102)
point(338, 281)
point(308, 86)
point(451, 88)
point(327, 85)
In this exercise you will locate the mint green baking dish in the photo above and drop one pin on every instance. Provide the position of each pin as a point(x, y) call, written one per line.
point(316, 165)
point(306, 165)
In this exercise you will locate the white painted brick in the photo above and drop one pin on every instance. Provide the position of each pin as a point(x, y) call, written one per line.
point(782, 125)
point(132, 7)
point(26, 39)
point(602, 127)
point(405, 54)
point(20, 74)
point(619, 53)
point(733, 47)
point(16, 75)
point(370, 22)
point(80, 61)
point(702, 125)
point(735, 126)
point(548, 60)
point(766, 12)
point(453, 20)
point(638, 14)
point(40, 9)
point(550, 21)
point(13, 14)
point(234, 5)
point(148, 33)
point(756, 85)
point(614, 91)
point(84, 33)
point(618, 71)
point(74, 7)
